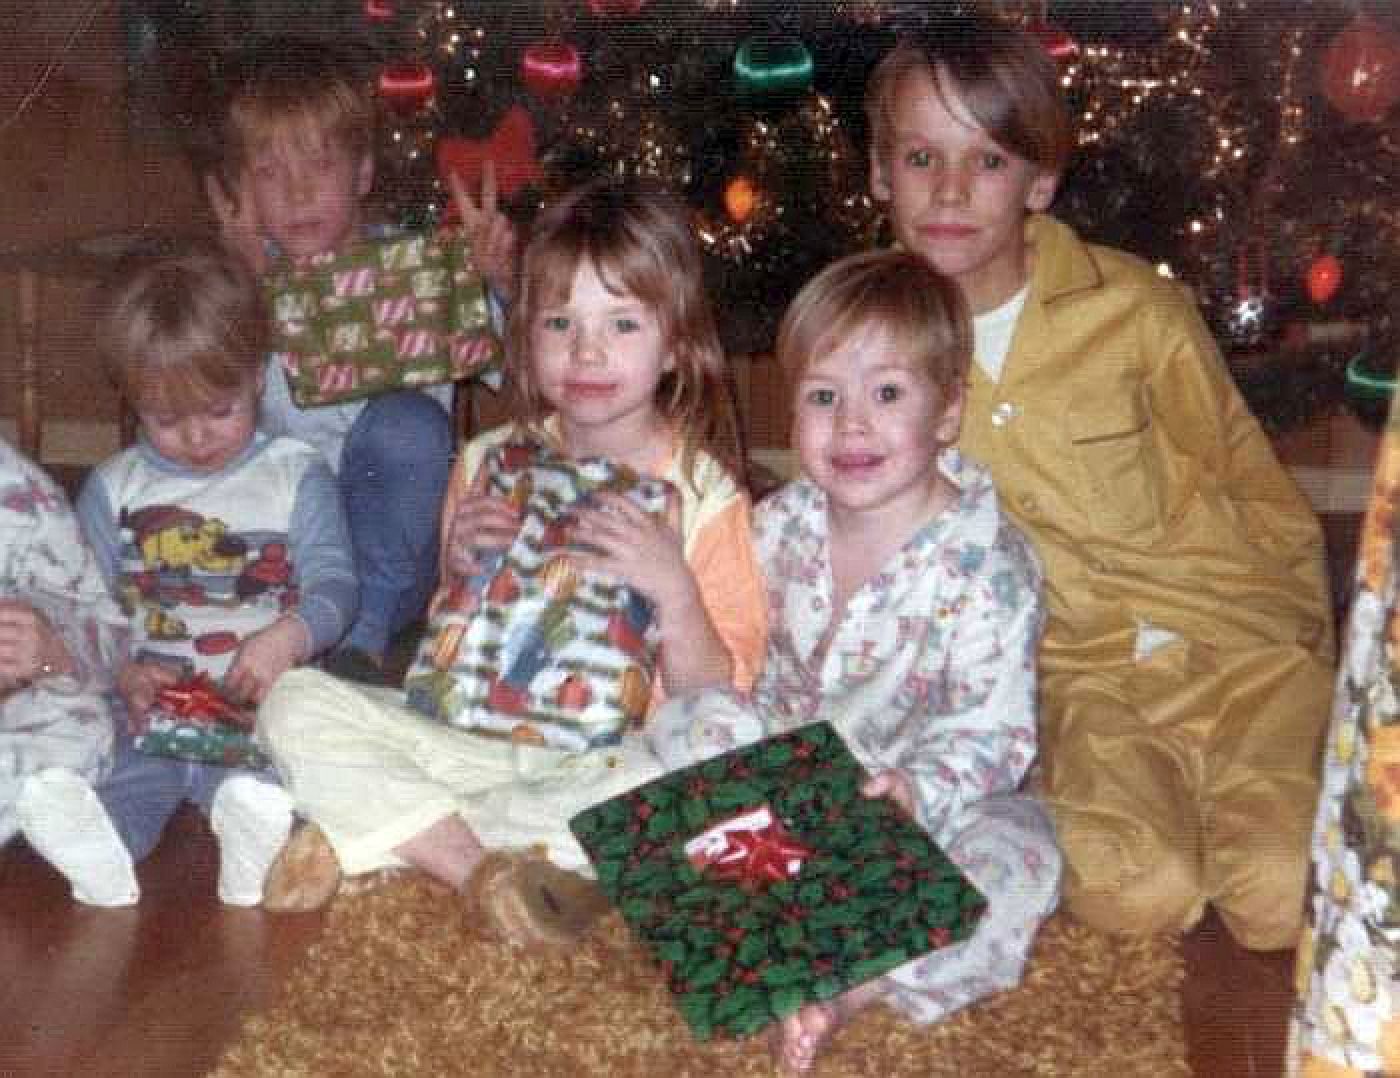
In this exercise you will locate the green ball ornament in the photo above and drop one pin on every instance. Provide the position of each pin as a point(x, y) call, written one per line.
point(767, 68)
point(1370, 385)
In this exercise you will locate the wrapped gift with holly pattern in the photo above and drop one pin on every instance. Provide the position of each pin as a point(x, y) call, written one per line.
point(533, 648)
point(191, 720)
point(762, 880)
point(400, 312)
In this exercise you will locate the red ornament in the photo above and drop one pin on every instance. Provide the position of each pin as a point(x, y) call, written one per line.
point(1324, 278)
point(511, 146)
point(616, 7)
point(551, 69)
point(379, 10)
point(1056, 42)
point(407, 86)
point(1361, 71)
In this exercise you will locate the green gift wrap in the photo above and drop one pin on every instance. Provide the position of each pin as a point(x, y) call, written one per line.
point(762, 880)
point(386, 314)
point(192, 721)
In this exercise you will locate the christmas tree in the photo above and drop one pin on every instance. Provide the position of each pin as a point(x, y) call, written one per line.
point(1250, 148)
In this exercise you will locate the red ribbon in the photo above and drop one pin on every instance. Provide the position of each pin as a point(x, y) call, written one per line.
point(198, 699)
point(758, 856)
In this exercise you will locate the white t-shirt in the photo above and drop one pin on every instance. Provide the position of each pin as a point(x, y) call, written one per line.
point(992, 331)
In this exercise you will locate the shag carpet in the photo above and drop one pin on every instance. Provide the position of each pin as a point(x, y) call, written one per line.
point(399, 985)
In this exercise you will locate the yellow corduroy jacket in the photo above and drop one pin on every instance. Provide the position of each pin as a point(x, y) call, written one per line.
point(1119, 442)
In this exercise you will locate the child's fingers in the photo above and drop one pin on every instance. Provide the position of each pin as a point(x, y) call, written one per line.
point(466, 208)
point(474, 215)
point(488, 189)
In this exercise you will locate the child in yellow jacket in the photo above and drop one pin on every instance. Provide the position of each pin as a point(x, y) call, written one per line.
point(1187, 663)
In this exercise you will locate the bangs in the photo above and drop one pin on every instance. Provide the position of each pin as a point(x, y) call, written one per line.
point(271, 120)
point(181, 384)
point(622, 268)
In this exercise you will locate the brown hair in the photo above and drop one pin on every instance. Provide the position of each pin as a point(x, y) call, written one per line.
point(639, 240)
point(1002, 74)
point(893, 290)
point(177, 330)
point(295, 88)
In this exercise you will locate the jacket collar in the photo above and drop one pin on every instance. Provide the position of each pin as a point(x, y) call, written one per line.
point(1063, 264)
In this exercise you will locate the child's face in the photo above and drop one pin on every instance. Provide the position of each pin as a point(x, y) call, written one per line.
point(598, 356)
point(207, 437)
point(956, 197)
point(868, 426)
point(307, 191)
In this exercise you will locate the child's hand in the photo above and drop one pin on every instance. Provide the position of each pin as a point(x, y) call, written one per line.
point(239, 228)
point(481, 524)
point(489, 232)
point(138, 683)
point(30, 647)
point(894, 784)
point(637, 548)
point(264, 657)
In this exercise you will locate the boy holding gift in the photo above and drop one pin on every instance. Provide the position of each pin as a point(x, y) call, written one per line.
point(227, 546)
point(288, 177)
point(905, 609)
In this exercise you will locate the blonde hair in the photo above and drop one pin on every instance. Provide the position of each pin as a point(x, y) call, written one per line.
point(303, 91)
point(181, 330)
point(639, 240)
point(894, 291)
point(1003, 76)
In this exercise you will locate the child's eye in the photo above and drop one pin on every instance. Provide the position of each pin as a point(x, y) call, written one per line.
point(918, 159)
point(821, 398)
point(627, 325)
point(555, 323)
point(992, 160)
point(888, 393)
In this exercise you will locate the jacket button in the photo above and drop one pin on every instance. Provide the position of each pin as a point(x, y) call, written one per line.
point(1004, 413)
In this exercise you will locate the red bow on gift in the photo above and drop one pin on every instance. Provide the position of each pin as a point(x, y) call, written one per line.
point(759, 856)
point(198, 699)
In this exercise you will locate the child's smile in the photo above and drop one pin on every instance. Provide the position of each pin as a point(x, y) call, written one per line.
point(869, 427)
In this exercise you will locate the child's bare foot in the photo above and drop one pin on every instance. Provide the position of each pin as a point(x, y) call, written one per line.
point(800, 1035)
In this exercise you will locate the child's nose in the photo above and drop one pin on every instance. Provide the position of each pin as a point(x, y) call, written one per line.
point(851, 416)
point(953, 184)
point(588, 347)
point(301, 185)
point(196, 435)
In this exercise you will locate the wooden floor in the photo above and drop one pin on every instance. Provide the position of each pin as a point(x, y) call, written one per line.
point(155, 991)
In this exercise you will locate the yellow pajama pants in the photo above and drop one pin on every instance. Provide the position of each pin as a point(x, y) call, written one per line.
point(1188, 778)
point(373, 773)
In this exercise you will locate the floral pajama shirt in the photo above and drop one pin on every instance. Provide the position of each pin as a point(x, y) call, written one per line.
point(930, 668)
point(44, 561)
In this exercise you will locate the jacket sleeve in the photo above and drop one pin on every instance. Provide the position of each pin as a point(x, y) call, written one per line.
point(1195, 400)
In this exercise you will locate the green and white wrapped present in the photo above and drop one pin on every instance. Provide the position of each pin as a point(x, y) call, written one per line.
point(386, 314)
